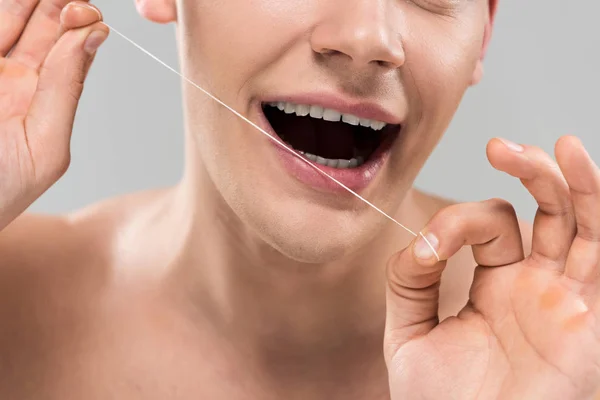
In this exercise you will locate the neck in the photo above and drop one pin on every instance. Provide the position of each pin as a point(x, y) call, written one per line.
point(294, 318)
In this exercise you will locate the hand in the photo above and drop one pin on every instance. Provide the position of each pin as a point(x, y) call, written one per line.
point(44, 59)
point(529, 330)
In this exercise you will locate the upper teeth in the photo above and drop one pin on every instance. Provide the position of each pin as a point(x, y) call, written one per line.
point(327, 114)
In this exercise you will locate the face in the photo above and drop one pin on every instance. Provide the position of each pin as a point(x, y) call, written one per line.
point(362, 88)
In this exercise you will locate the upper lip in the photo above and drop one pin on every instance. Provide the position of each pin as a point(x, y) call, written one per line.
point(361, 109)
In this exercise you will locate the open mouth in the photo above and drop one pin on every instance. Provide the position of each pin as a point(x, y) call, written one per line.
point(329, 137)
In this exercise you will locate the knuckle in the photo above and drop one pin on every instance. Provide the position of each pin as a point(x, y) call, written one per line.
point(51, 8)
point(539, 153)
point(65, 74)
point(588, 232)
point(502, 208)
point(555, 209)
point(75, 89)
point(401, 279)
point(80, 69)
point(454, 217)
point(546, 167)
point(458, 219)
point(410, 283)
point(391, 269)
point(18, 8)
point(77, 79)
point(44, 85)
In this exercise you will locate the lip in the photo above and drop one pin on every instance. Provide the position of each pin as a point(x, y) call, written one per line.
point(356, 179)
point(361, 109)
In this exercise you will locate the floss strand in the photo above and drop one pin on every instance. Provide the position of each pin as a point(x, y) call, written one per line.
point(271, 137)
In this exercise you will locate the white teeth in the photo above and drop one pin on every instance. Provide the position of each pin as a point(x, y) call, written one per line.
point(327, 114)
point(343, 164)
point(376, 125)
point(321, 160)
point(289, 108)
point(316, 112)
point(302, 110)
point(331, 115)
point(350, 119)
point(333, 163)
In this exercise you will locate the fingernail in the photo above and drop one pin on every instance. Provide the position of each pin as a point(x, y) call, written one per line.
point(512, 146)
point(94, 40)
point(423, 250)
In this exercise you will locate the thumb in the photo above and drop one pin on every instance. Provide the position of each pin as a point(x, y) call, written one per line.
point(413, 278)
point(49, 122)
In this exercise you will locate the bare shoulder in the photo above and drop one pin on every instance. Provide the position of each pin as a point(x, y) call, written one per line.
point(35, 240)
point(36, 251)
point(87, 232)
point(53, 266)
point(58, 287)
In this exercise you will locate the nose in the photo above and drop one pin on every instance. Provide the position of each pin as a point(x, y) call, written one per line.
point(361, 31)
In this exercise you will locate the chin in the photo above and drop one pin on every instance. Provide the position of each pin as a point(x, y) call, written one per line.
point(310, 251)
point(316, 237)
point(309, 248)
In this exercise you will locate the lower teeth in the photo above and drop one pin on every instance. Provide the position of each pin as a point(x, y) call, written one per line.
point(340, 164)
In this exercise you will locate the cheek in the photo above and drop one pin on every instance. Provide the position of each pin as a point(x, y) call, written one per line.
point(441, 68)
point(440, 61)
point(441, 57)
point(229, 42)
point(225, 46)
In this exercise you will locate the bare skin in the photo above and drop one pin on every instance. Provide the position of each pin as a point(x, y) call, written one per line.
point(172, 294)
point(122, 327)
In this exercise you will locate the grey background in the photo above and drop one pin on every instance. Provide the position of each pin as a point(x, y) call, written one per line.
point(541, 82)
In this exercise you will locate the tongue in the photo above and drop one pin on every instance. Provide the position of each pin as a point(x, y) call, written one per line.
point(323, 138)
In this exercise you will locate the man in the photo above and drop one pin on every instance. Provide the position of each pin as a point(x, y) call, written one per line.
point(257, 278)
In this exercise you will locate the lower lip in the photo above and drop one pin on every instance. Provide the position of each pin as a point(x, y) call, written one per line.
point(356, 179)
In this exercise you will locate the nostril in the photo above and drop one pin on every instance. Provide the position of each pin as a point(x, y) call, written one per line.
point(329, 52)
point(363, 52)
point(389, 64)
point(325, 51)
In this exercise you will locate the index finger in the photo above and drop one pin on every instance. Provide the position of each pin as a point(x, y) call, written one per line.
point(14, 15)
point(42, 31)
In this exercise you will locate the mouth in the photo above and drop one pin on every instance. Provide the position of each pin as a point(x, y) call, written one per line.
point(328, 137)
point(348, 142)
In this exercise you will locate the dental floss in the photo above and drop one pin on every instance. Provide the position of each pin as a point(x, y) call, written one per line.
point(276, 140)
